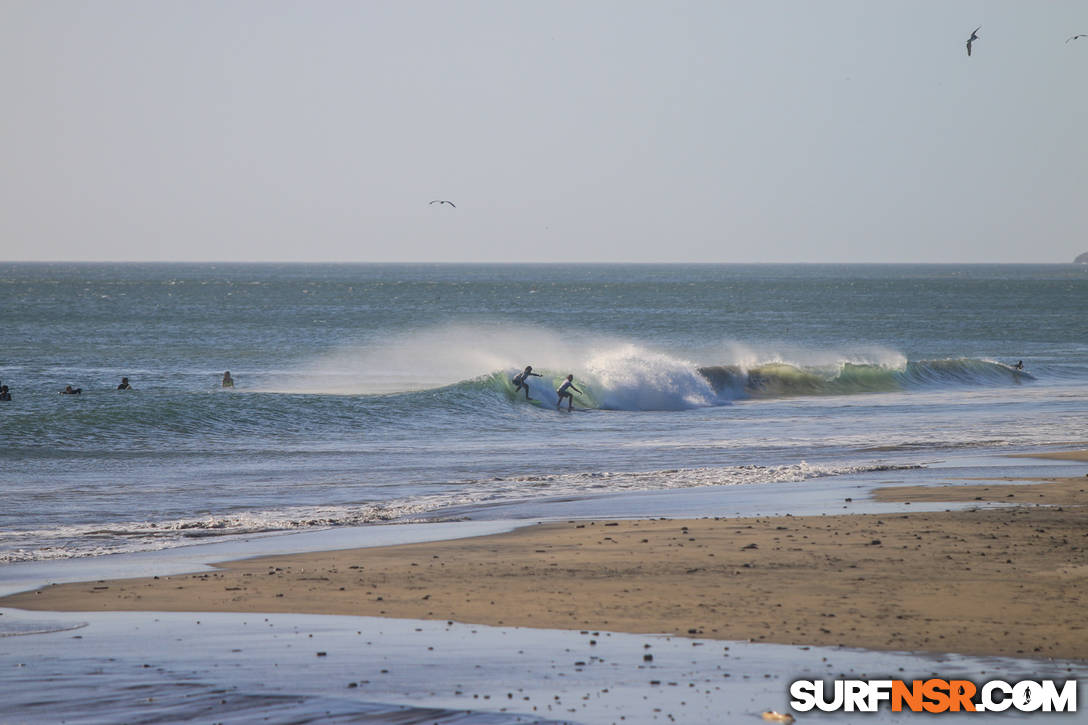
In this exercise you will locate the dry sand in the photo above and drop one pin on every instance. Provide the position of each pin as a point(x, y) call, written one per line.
point(1006, 581)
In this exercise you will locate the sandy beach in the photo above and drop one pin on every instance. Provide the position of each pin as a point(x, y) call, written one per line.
point(1006, 580)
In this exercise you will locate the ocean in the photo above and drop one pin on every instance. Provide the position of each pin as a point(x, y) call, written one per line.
point(369, 394)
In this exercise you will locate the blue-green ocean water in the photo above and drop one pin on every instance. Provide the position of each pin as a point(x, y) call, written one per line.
point(372, 393)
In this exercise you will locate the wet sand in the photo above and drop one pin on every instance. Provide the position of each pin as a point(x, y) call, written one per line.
point(988, 581)
point(1078, 455)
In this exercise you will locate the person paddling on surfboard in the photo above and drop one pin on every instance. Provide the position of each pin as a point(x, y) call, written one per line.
point(563, 391)
point(521, 380)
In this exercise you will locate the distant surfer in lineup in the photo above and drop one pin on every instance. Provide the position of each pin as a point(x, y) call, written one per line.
point(124, 385)
point(228, 381)
point(521, 380)
point(563, 391)
point(69, 390)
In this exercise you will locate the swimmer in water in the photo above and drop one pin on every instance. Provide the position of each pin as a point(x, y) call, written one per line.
point(228, 381)
point(124, 385)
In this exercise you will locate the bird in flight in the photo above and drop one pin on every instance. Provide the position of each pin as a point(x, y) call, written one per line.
point(973, 38)
point(443, 201)
point(1082, 35)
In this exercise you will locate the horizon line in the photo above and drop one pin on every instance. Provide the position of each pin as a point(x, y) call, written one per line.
point(507, 263)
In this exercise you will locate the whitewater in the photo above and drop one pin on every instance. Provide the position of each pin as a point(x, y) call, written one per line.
point(378, 394)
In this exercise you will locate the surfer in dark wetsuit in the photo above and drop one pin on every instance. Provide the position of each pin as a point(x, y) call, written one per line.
point(521, 380)
point(1019, 365)
point(228, 381)
point(69, 390)
point(4, 394)
point(124, 385)
point(563, 391)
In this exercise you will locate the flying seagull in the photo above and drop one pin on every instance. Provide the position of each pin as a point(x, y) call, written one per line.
point(973, 38)
point(443, 201)
point(1082, 35)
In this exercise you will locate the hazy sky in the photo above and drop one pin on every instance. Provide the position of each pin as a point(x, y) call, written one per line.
point(581, 131)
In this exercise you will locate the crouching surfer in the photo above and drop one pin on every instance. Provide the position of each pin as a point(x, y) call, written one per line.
point(521, 380)
point(563, 391)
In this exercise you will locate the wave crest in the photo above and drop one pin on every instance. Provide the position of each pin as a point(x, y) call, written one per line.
point(783, 380)
point(616, 374)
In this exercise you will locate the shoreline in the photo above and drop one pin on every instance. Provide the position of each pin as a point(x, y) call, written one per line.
point(1005, 581)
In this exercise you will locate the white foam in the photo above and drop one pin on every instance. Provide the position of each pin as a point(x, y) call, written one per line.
point(85, 540)
point(629, 377)
point(749, 355)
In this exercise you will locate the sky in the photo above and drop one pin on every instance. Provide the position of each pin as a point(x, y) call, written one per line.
point(582, 131)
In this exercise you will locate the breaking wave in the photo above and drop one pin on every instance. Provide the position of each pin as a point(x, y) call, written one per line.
point(639, 380)
point(779, 379)
point(616, 374)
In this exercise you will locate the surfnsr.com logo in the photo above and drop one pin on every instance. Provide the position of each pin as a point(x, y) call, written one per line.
point(934, 695)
